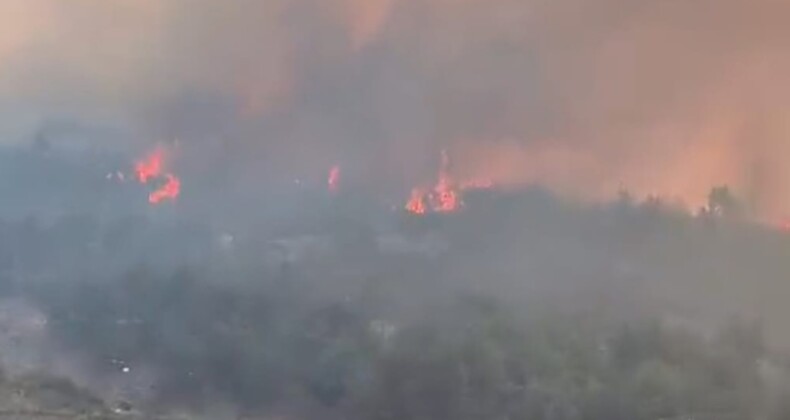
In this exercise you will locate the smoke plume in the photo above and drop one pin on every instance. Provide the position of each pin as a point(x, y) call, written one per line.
point(586, 97)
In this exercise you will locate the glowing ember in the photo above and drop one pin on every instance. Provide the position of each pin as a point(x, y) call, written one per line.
point(168, 191)
point(334, 178)
point(150, 167)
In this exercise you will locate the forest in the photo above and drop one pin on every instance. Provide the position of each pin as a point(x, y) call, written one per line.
point(521, 306)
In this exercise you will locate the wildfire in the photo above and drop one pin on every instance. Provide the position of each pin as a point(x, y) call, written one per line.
point(169, 190)
point(333, 181)
point(152, 168)
point(445, 196)
point(416, 203)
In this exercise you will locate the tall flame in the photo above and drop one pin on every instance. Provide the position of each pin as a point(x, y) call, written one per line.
point(445, 198)
point(445, 195)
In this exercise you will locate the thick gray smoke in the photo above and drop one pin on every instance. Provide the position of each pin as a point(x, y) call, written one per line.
point(259, 285)
point(586, 97)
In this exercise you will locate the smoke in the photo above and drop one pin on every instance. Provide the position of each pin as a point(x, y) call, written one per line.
point(291, 127)
point(586, 97)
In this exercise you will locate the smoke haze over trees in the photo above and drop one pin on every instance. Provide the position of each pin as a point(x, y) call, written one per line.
point(522, 304)
point(599, 229)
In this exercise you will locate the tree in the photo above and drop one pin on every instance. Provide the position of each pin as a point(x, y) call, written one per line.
point(721, 202)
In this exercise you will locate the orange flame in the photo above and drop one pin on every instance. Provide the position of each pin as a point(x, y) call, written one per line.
point(150, 167)
point(416, 203)
point(169, 190)
point(445, 196)
point(334, 178)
